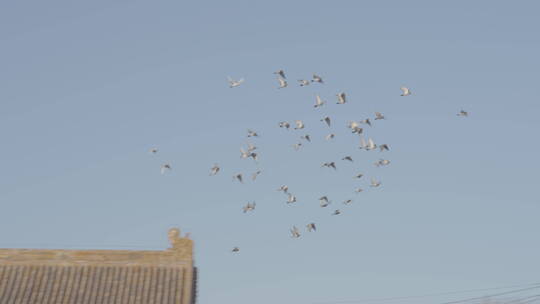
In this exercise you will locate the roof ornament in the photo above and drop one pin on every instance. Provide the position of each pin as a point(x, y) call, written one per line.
point(183, 246)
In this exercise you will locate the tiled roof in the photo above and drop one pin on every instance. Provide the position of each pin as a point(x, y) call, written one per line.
point(98, 276)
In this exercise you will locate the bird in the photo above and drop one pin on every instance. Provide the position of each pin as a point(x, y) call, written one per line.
point(355, 127)
point(319, 102)
point(295, 233)
point(306, 137)
point(406, 91)
point(341, 98)
point(252, 133)
point(378, 115)
point(214, 170)
point(280, 73)
point(384, 147)
point(317, 78)
point(347, 158)
point(235, 249)
point(255, 175)
point(330, 136)
point(358, 190)
point(254, 155)
point(283, 188)
point(375, 183)
point(299, 124)
point(284, 124)
point(326, 119)
point(251, 147)
point(311, 227)
point(323, 201)
point(165, 167)
point(463, 113)
point(153, 150)
point(336, 212)
point(382, 162)
point(244, 154)
point(234, 83)
point(297, 146)
point(238, 177)
point(371, 145)
point(347, 202)
point(249, 207)
point(291, 198)
point(359, 175)
point(366, 121)
point(329, 165)
point(303, 82)
point(282, 83)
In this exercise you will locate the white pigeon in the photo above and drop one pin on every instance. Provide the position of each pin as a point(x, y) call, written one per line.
point(280, 73)
point(355, 127)
point(326, 119)
point(282, 83)
point(329, 165)
point(382, 162)
point(378, 115)
point(384, 147)
point(375, 183)
point(306, 137)
point(153, 150)
point(255, 175)
point(297, 146)
point(291, 198)
point(295, 233)
point(284, 188)
point(234, 83)
point(311, 227)
point(463, 113)
point(244, 154)
point(299, 124)
point(330, 136)
point(214, 170)
point(406, 91)
point(347, 158)
point(249, 207)
point(317, 78)
point(165, 167)
point(284, 124)
point(303, 82)
point(238, 177)
point(342, 99)
point(336, 212)
point(371, 145)
point(252, 133)
point(319, 102)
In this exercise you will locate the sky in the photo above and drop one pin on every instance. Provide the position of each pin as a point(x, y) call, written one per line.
point(88, 87)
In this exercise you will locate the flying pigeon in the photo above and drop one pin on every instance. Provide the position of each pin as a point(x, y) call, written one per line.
point(319, 102)
point(234, 83)
point(317, 78)
point(214, 170)
point(280, 73)
point(326, 120)
point(311, 227)
point(406, 91)
point(341, 98)
point(303, 82)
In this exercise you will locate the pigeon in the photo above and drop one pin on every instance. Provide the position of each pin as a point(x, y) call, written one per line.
point(299, 124)
point(244, 154)
point(384, 147)
point(382, 162)
point(311, 227)
point(375, 183)
point(378, 115)
point(280, 73)
point(329, 165)
point(359, 175)
point(323, 201)
point(291, 199)
point(297, 146)
point(317, 78)
point(306, 137)
point(406, 91)
point(371, 145)
point(214, 170)
point(249, 207)
point(336, 212)
point(326, 120)
point(358, 190)
point(303, 82)
point(463, 113)
point(282, 83)
point(238, 177)
point(234, 83)
point(235, 249)
point(283, 188)
point(254, 155)
point(341, 98)
point(330, 136)
point(252, 133)
point(355, 127)
point(347, 202)
point(165, 167)
point(319, 102)
point(284, 124)
point(153, 150)
point(366, 121)
point(347, 158)
point(295, 233)
point(251, 147)
point(255, 175)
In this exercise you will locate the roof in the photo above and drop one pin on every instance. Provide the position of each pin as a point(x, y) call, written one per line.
point(99, 276)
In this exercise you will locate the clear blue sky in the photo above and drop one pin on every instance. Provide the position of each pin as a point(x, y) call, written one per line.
point(86, 88)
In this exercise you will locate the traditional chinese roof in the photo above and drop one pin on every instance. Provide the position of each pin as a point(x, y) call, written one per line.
point(99, 276)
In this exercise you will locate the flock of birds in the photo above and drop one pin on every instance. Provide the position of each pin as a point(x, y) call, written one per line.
point(356, 127)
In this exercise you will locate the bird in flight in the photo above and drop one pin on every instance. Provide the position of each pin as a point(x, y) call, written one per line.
point(306, 137)
point(281, 74)
point(291, 198)
point(330, 136)
point(317, 78)
point(297, 146)
point(299, 124)
point(326, 119)
point(249, 207)
point(284, 188)
point(379, 115)
point(319, 102)
point(255, 175)
point(405, 91)
point(366, 121)
point(382, 162)
point(463, 113)
point(165, 167)
point(235, 249)
point(311, 227)
point(252, 133)
point(375, 183)
point(234, 83)
point(358, 190)
point(342, 99)
point(153, 150)
point(347, 202)
point(303, 82)
point(384, 147)
point(295, 233)
point(214, 170)
point(336, 212)
point(359, 175)
point(323, 201)
point(282, 83)
point(329, 165)
point(238, 177)
point(347, 158)
point(284, 124)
